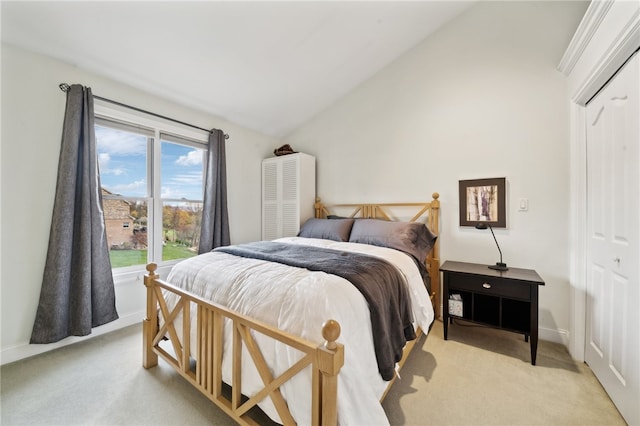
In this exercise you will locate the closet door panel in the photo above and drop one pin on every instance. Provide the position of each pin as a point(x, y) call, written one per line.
point(612, 347)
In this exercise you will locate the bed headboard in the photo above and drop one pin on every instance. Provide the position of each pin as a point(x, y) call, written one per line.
point(426, 212)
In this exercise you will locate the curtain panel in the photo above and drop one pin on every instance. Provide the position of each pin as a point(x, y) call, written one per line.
point(214, 231)
point(77, 286)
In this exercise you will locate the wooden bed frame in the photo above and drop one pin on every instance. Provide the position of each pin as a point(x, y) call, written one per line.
point(325, 359)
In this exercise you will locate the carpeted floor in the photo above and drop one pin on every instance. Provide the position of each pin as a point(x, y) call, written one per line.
point(478, 377)
point(482, 376)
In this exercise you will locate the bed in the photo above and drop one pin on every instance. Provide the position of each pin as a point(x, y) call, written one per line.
point(249, 326)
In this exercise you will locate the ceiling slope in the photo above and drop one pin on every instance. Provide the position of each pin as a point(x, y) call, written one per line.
point(267, 65)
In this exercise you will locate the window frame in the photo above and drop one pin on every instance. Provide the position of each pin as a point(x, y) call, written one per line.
point(131, 119)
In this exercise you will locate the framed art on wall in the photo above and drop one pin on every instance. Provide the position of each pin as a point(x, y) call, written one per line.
point(483, 201)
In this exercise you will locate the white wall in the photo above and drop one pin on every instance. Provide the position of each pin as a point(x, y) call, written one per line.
point(32, 115)
point(481, 98)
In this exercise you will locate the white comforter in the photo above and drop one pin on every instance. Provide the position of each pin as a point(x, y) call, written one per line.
point(300, 301)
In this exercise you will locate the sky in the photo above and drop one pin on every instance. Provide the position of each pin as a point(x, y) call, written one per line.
point(122, 158)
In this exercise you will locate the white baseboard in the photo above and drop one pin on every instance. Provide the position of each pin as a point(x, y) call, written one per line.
point(554, 335)
point(26, 350)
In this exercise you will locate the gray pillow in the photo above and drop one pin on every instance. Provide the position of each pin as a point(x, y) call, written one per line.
point(334, 229)
point(413, 238)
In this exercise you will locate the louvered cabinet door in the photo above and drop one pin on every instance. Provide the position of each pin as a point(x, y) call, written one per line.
point(290, 197)
point(288, 194)
point(269, 200)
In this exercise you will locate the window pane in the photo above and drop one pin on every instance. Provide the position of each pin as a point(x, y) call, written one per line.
point(180, 229)
point(181, 172)
point(126, 223)
point(181, 179)
point(122, 156)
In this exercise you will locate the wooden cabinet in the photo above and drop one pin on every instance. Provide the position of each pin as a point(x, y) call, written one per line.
point(501, 299)
point(288, 194)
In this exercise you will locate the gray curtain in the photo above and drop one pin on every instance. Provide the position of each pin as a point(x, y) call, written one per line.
point(214, 231)
point(77, 286)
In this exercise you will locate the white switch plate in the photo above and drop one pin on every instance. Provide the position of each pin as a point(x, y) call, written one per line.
point(523, 205)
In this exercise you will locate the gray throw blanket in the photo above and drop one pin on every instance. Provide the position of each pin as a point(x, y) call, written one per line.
point(379, 282)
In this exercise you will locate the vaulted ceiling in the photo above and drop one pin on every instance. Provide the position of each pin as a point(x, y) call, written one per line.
point(266, 65)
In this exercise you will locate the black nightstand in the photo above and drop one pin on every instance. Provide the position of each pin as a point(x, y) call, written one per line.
point(507, 300)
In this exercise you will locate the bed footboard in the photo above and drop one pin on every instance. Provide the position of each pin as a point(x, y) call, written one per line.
point(325, 359)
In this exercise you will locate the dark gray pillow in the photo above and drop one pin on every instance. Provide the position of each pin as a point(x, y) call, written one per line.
point(413, 238)
point(334, 229)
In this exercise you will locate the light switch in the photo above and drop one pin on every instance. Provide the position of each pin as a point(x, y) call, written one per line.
point(523, 205)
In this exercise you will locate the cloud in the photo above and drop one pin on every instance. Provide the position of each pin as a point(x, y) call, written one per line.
point(119, 142)
point(170, 192)
point(193, 178)
point(193, 158)
point(130, 189)
point(104, 160)
point(183, 186)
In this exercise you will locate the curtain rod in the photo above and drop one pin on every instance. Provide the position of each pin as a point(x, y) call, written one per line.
point(65, 88)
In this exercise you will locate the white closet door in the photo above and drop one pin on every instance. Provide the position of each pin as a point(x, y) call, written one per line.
point(613, 220)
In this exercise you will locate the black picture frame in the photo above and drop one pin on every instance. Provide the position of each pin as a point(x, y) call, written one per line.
point(483, 201)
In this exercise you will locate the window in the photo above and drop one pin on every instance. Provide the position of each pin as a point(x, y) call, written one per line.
point(152, 190)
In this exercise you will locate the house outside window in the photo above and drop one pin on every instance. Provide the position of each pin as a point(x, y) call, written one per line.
point(152, 178)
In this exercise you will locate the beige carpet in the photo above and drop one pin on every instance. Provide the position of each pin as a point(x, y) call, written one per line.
point(478, 377)
point(482, 376)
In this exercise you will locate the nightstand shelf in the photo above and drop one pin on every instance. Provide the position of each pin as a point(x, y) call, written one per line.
point(507, 300)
